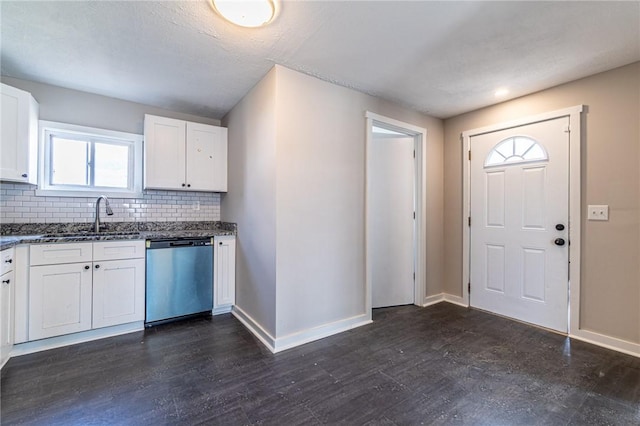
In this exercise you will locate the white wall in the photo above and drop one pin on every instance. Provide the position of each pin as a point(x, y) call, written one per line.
point(250, 200)
point(317, 200)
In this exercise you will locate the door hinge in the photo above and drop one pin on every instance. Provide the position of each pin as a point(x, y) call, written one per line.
point(414, 153)
point(567, 129)
point(414, 215)
point(469, 155)
point(414, 276)
point(461, 138)
point(469, 220)
point(468, 287)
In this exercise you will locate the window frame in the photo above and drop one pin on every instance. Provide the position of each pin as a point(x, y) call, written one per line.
point(92, 135)
point(505, 163)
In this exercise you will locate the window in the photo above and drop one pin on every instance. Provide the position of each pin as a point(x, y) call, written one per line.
point(518, 149)
point(79, 161)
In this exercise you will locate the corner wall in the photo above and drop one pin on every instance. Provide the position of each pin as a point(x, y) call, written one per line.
point(297, 191)
point(610, 281)
point(250, 201)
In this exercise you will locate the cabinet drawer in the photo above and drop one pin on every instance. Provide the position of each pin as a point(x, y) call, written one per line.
point(113, 250)
point(7, 260)
point(52, 254)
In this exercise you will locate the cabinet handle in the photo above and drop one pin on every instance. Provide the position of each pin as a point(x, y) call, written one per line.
point(97, 266)
point(8, 261)
point(86, 266)
point(24, 175)
point(6, 281)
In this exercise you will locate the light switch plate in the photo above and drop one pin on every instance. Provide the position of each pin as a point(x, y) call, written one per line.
point(597, 212)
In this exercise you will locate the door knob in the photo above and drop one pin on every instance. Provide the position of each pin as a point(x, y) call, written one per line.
point(559, 241)
point(560, 227)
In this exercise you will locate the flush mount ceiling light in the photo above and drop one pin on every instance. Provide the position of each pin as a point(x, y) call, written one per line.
point(246, 13)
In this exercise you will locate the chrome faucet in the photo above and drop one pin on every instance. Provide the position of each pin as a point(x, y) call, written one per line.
point(107, 208)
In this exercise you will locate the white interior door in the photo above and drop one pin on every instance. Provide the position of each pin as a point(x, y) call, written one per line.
point(392, 206)
point(519, 222)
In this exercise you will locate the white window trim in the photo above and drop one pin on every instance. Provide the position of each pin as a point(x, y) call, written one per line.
point(43, 167)
point(545, 156)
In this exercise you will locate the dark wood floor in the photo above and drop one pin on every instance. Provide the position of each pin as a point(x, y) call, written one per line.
point(437, 365)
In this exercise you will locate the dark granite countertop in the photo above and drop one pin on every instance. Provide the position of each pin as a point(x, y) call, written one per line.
point(35, 233)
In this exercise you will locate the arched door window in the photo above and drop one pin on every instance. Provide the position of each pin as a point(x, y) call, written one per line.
point(516, 149)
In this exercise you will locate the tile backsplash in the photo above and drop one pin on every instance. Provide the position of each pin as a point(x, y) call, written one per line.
point(19, 204)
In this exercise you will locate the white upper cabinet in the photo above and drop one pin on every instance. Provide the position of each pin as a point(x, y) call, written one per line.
point(19, 136)
point(206, 157)
point(183, 155)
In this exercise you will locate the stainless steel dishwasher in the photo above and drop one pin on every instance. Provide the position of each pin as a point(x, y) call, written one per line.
point(179, 278)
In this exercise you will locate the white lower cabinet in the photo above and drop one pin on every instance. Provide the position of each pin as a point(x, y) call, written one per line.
point(59, 299)
point(68, 296)
point(7, 285)
point(118, 292)
point(224, 269)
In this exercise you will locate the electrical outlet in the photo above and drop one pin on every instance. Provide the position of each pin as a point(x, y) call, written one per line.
point(598, 212)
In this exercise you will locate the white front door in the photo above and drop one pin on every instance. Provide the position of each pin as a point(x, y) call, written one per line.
point(519, 222)
point(392, 206)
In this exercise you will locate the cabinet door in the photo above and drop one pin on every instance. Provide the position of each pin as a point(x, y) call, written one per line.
point(6, 316)
point(59, 299)
point(164, 153)
point(118, 292)
point(18, 135)
point(206, 157)
point(224, 269)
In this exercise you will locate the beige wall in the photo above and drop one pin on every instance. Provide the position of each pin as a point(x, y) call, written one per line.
point(610, 287)
point(250, 200)
point(316, 205)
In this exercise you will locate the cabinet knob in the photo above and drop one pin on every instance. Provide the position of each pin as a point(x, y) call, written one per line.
point(6, 281)
point(97, 266)
point(24, 175)
point(86, 267)
point(188, 185)
point(184, 184)
point(8, 261)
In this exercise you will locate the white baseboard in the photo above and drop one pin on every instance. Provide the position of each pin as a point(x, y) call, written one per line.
point(300, 338)
point(320, 332)
point(72, 339)
point(456, 300)
point(432, 300)
point(255, 328)
point(608, 342)
point(444, 297)
point(221, 310)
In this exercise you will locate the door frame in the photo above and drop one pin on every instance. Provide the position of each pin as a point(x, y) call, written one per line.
point(420, 196)
point(575, 222)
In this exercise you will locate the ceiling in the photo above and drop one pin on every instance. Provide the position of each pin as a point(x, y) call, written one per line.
point(440, 58)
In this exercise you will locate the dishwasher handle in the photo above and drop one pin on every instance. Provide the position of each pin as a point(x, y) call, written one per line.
point(181, 243)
